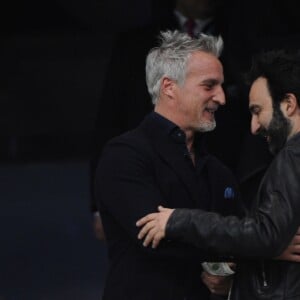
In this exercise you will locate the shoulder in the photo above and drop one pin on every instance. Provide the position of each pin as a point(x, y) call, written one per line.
point(135, 137)
point(127, 156)
point(284, 170)
point(133, 143)
point(287, 160)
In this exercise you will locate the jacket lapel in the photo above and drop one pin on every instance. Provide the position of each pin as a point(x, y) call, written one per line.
point(174, 155)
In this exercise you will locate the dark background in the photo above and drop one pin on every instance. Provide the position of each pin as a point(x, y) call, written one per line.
point(54, 55)
point(53, 59)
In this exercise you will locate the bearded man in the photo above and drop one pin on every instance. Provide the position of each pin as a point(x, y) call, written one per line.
point(254, 241)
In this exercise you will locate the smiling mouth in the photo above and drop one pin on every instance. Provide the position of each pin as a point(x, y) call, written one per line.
point(211, 110)
point(266, 137)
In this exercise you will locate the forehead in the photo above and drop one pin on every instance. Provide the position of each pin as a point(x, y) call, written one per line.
point(205, 65)
point(259, 94)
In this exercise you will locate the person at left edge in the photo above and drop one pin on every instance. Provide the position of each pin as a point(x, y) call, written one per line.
point(164, 161)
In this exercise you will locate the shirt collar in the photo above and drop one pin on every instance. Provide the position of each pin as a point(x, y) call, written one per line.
point(169, 128)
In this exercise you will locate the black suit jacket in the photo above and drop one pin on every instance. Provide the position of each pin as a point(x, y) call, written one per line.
point(125, 99)
point(138, 171)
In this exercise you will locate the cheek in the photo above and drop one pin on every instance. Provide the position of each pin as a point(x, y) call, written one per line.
point(265, 120)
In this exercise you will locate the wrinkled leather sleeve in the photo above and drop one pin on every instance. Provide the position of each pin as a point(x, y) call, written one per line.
point(265, 232)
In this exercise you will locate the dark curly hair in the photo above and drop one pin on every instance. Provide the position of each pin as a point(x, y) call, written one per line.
point(281, 68)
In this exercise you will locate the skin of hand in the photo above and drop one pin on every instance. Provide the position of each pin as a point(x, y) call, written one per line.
point(98, 228)
point(218, 285)
point(292, 252)
point(154, 226)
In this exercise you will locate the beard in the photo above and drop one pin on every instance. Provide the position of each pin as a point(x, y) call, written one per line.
point(277, 132)
point(206, 126)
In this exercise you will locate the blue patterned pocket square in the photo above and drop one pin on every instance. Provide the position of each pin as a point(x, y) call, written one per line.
point(229, 193)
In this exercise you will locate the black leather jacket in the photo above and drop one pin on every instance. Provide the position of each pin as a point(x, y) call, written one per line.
point(257, 238)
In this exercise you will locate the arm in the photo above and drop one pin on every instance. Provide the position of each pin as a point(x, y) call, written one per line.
point(266, 234)
point(154, 230)
point(126, 188)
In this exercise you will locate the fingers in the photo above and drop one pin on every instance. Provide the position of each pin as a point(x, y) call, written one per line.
point(146, 228)
point(232, 265)
point(218, 285)
point(151, 234)
point(153, 226)
point(153, 237)
point(296, 239)
point(161, 208)
point(295, 249)
point(146, 219)
point(157, 238)
point(294, 258)
point(291, 253)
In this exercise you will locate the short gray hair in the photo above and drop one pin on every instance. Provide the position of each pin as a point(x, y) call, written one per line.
point(171, 57)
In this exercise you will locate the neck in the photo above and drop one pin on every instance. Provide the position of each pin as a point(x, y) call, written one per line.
point(173, 117)
point(189, 139)
point(295, 124)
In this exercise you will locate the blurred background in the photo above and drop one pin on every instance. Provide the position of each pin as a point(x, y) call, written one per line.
point(53, 60)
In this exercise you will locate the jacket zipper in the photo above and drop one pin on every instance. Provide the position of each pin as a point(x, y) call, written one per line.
point(265, 283)
point(230, 289)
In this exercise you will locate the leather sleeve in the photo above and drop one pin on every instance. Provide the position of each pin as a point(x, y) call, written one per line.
point(265, 233)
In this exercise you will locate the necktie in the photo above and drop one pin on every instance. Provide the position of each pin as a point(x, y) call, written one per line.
point(190, 26)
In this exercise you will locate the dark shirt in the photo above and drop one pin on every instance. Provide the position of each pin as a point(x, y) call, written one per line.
point(179, 138)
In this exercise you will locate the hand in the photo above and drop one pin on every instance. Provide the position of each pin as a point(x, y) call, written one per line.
point(154, 226)
point(98, 227)
point(292, 252)
point(218, 285)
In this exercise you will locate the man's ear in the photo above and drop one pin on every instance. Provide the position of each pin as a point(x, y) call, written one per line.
point(289, 104)
point(168, 87)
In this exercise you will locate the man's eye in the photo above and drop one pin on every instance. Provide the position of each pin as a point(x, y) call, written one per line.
point(255, 112)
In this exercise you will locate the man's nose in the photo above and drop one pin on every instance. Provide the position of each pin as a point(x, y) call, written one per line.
point(255, 126)
point(220, 96)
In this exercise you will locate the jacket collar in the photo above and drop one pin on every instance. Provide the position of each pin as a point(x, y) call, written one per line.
point(295, 139)
point(169, 142)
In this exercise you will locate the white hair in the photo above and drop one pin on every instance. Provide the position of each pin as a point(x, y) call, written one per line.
point(171, 57)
